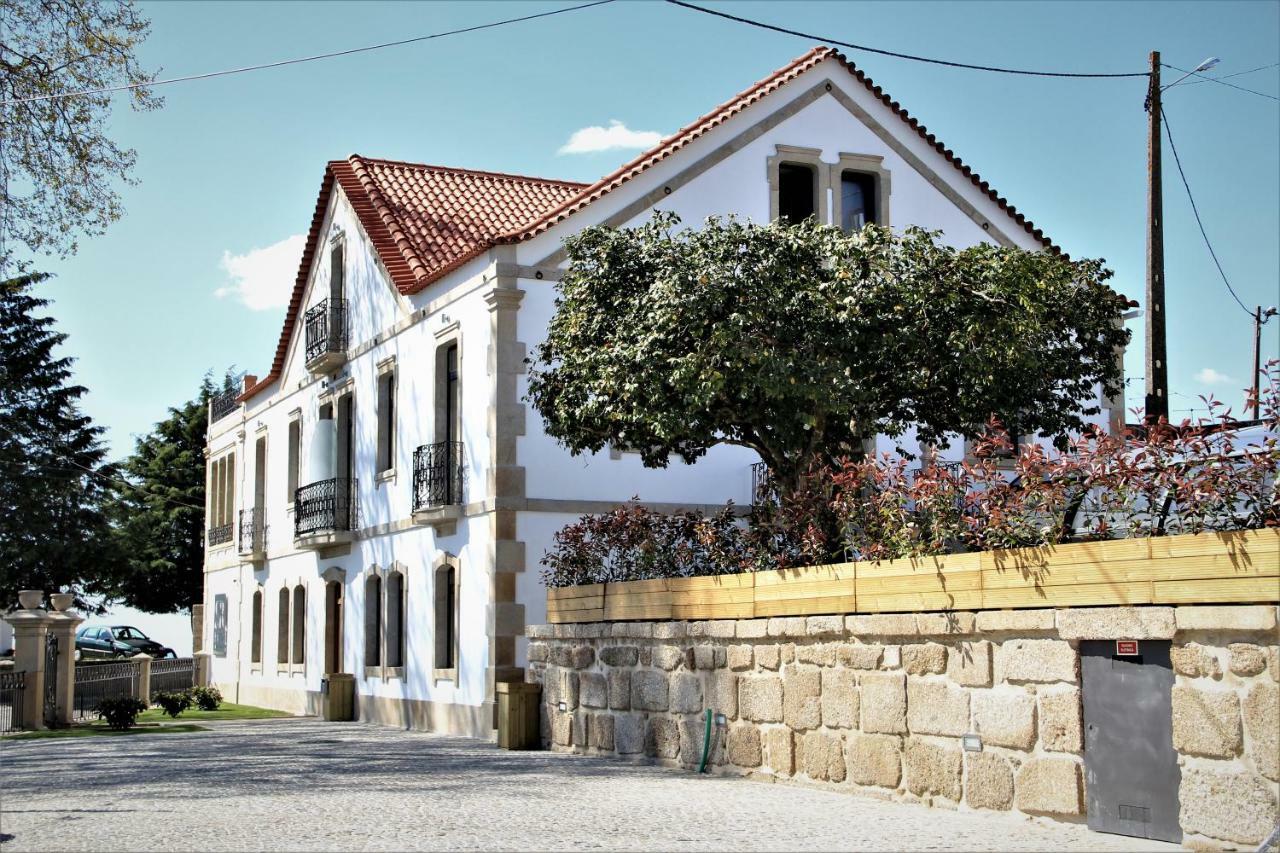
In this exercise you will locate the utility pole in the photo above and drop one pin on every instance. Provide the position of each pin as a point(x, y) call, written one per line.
point(1260, 319)
point(1157, 401)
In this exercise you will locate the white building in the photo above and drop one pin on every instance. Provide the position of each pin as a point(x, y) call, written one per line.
point(380, 499)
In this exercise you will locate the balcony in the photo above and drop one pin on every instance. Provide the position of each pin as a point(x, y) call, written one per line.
point(223, 405)
point(326, 335)
point(324, 513)
point(437, 483)
point(219, 535)
point(253, 534)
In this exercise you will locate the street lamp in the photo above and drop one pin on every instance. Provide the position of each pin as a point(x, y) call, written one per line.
point(1203, 66)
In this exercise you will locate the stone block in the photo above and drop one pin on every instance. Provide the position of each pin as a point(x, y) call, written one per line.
point(581, 729)
point(1061, 729)
point(572, 657)
point(822, 756)
point(704, 657)
point(891, 658)
point(669, 630)
point(1206, 722)
point(768, 657)
point(988, 781)
point(1262, 722)
point(882, 624)
point(839, 699)
point(788, 652)
point(593, 690)
point(859, 656)
point(950, 622)
point(1005, 718)
point(924, 658)
point(1049, 786)
point(1116, 623)
point(780, 750)
point(1195, 661)
point(752, 629)
point(933, 769)
point(786, 626)
point(801, 697)
point(628, 734)
point(1039, 661)
point(740, 658)
point(646, 656)
point(668, 657)
point(620, 690)
point(883, 702)
point(539, 632)
point(936, 708)
point(649, 691)
point(693, 736)
point(1014, 620)
point(760, 698)
point(562, 728)
point(1273, 662)
point(875, 760)
point(1246, 617)
point(538, 652)
point(820, 654)
point(1247, 659)
point(744, 746)
point(601, 736)
point(594, 630)
point(723, 629)
point(824, 626)
point(662, 738)
point(1230, 806)
point(558, 686)
point(686, 693)
point(620, 656)
point(634, 630)
point(721, 691)
point(969, 664)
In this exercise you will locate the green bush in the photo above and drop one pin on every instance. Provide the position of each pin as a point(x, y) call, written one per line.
point(174, 702)
point(121, 713)
point(205, 698)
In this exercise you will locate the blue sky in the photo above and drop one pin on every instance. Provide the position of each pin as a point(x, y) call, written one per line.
point(231, 166)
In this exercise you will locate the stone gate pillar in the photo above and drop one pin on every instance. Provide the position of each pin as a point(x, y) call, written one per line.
point(63, 625)
point(30, 628)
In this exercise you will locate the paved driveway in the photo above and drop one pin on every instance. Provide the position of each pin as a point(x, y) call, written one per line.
point(309, 785)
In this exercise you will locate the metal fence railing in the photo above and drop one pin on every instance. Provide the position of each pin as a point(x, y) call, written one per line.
point(98, 681)
point(172, 674)
point(11, 696)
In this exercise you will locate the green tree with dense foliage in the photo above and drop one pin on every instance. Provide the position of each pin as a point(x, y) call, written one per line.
point(159, 510)
point(59, 168)
point(801, 342)
point(54, 534)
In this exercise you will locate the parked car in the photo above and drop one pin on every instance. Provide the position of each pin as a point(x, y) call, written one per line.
point(117, 641)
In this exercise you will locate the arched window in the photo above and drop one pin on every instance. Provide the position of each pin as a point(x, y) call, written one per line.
point(282, 627)
point(446, 628)
point(395, 619)
point(255, 648)
point(299, 624)
point(373, 621)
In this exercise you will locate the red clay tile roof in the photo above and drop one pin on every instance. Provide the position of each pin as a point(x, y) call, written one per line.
point(426, 221)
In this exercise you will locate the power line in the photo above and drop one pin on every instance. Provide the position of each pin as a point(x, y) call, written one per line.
point(1169, 133)
point(1219, 80)
point(30, 471)
point(207, 75)
point(894, 54)
point(1207, 79)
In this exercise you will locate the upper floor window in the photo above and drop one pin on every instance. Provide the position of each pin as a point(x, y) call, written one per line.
point(221, 500)
point(857, 200)
point(797, 192)
point(337, 270)
point(386, 420)
point(295, 458)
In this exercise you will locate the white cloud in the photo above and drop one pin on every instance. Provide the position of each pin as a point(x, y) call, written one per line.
point(1209, 376)
point(589, 140)
point(263, 278)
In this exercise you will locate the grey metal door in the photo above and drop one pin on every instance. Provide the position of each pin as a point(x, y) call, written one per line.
point(1131, 769)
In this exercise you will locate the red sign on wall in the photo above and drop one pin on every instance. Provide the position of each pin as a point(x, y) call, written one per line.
point(1126, 648)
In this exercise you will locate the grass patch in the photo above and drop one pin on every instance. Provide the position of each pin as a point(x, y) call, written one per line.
point(227, 711)
point(100, 729)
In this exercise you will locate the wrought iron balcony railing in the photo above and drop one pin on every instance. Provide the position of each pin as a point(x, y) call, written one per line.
point(253, 531)
point(324, 507)
point(219, 535)
point(437, 475)
point(223, 404)
point(326, 328)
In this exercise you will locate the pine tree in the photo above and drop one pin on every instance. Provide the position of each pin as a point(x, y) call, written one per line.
point(54, 535)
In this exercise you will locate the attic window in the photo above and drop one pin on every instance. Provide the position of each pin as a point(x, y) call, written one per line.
point(857, 200)
point(797, 192)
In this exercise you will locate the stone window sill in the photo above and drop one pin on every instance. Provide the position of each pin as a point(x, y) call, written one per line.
point(450, 674)
point(387, 476)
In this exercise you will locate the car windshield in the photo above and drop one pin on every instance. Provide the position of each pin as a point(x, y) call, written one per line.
point(127, 633)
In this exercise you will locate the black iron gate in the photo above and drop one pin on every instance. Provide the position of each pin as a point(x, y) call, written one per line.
point(51, 680)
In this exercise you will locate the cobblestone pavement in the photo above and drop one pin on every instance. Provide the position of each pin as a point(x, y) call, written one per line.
point(308, 785)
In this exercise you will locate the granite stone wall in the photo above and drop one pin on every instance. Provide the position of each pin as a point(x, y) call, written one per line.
point(878, 704)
